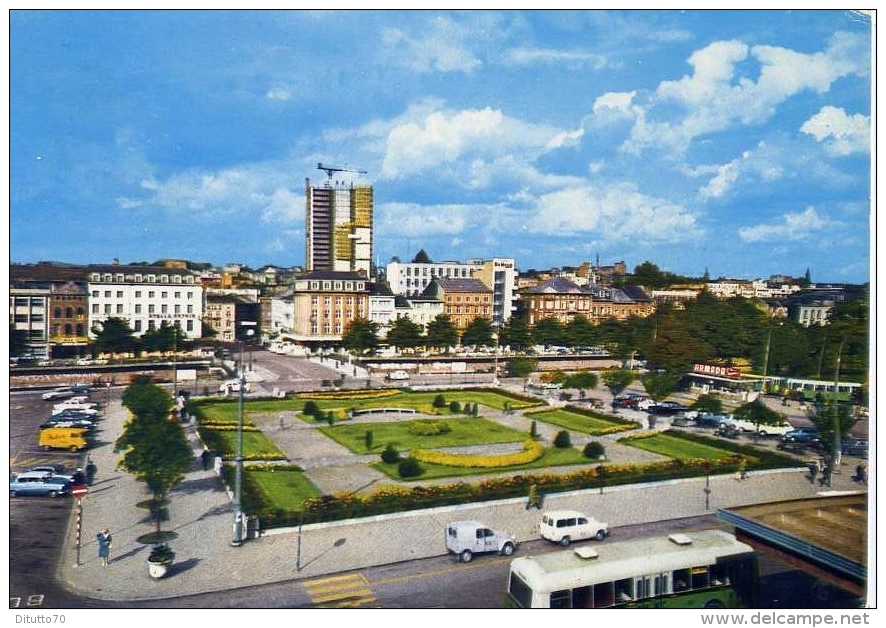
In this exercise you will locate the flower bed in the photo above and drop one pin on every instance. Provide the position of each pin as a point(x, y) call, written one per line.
point(532, 450)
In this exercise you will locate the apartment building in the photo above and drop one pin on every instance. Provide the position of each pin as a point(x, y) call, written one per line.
point(29, 313)
point(463, 299)
point(145, 296)
point(564, 300)
point(500, 274)
point(233, 317)
point(325, 302)
point(338, 227)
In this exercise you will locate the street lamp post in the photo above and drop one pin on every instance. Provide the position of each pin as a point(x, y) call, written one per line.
point(238, 461)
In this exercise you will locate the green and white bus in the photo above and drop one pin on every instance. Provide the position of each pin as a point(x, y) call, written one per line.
point(701, 569)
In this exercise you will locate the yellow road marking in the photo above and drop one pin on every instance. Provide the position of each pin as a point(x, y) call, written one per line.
point(349, 590)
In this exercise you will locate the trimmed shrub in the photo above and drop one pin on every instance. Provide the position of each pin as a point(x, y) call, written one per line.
point(311, 408)
point(428, 427)
point(409, 468)
point(533, 429)
point(454, 406)
point(390, 455)
point(439, 401)
point(593, 450)
point(562, 440)
point(367, 439)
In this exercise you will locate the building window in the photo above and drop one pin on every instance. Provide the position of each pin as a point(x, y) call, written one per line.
point(137, 325)
point(107, 294)
point(189, 325)
point(190, 309)
point(150, 308)
point(119, 308)
point(163, 308)
point(107, 308)
point(95, 294)
point(151, 294)
point(119, 294)
point(138, 294)
point(138, 308)
point(95, 308)
point(164, 295)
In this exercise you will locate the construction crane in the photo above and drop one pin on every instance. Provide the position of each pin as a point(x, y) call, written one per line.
point(329, 170)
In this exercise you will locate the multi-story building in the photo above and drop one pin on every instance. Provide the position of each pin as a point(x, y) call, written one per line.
point(463, 299)
point(68, 318)
point(145, 296)
point(420, 311)
point(382, 306)
point(556, 298)
point(233, 317)
point(28, 313)
point(338, 227)
point(565, 300)
point(500, 274)
point(324, 303)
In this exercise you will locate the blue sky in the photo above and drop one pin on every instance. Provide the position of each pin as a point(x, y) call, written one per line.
point(732, 141)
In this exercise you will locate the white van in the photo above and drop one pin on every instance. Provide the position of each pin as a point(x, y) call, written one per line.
point(565, 526)
point(466, 538)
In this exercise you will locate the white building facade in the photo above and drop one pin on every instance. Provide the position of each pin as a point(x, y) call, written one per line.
point(145, 296)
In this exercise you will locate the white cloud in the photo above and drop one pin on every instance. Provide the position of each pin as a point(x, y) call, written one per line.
point(618, 213)
point(617, 101)
point(247, 191)
point(841, 134)
point(441, 47)
point(717, 97)
point(793, 226)
point(279, 93)
point(423, 220)
point(446, 137)
point(570, 58)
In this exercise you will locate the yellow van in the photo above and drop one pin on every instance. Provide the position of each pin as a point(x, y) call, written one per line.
point(72, 438)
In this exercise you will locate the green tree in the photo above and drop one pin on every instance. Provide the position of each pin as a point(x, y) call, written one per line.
point(616, 380)
point(549, 331)
point(441, 332)
point(521, 366)
point(757, 413)
point(113, 335)
point(708, 403)
point(515, 334)
point(660, 385)
point(155, 448)
point(479, 332)
point(405, 334)
point(581, 380)
point(361, 335)
point(580, 332)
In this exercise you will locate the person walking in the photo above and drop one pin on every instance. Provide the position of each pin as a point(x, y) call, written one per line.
point(813, 471)
point(90, 470)
point(104, 547)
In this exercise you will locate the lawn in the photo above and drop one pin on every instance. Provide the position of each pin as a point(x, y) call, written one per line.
point(226, 411)
point(421, 401)
point(552, 457)
point(463, 431)
point(286, 489)
point(256, 446)
point(675, 447)
point(573, 421)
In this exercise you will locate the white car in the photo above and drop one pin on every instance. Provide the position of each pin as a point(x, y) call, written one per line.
point(466, 538)
point(58, 393)
point(233, 385)
point(85, 408)
point(565, 526)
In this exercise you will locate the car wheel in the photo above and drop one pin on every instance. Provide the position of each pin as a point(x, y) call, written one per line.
point(46, 448)
point(466, 556)
point(564, 542)
point(53, 493)
point(13, 494)
point(508, 549)
point(601, 534)
point(75, 449)
point(763, 433)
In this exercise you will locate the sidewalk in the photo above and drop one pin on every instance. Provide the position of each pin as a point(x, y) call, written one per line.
point(200, 512)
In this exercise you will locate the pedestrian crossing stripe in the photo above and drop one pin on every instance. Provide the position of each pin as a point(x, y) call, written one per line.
point(340, 591)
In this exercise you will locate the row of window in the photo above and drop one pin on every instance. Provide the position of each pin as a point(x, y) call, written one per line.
point(436, 272)
point(327, 301)
point(152, 309)
point(460, 298)
point(350, 286)
point(151, 294)
point(139, 278)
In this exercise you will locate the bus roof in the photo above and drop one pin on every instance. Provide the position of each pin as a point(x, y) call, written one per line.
point(566, 570)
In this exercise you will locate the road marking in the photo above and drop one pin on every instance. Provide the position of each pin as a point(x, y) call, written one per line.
point(340, 591)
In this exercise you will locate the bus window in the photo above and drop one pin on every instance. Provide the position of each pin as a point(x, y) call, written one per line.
point(719, 575)
point(581, 597)
point(700, 578)
point(681, 580)
point(603, 595)
point(661, 584)
point(643, 586)
point(624, 590)
point(561, 599)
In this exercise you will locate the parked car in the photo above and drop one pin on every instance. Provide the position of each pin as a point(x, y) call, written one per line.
point(86, 408)
point(802, 437)
point(565, 526)
point(398, 375)
point(466, 538)
point(666, 407)
point(709, 419)
point(56, 473)
point(763, 429)
point(70, 438)
point(854, 447)
point(233, 385)
point(80, 389)
point(57, 421)
point(683, 421)
point(57, 393)
point(37, 483)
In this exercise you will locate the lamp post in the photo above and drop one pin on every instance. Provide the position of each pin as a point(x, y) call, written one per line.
point(237, 541)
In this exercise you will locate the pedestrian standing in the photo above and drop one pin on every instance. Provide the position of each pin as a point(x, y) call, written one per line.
point(813, 471)
point(90, 471)
point(204, 458)
point(104, 547)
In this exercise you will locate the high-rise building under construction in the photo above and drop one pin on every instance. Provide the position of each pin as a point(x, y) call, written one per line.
point(338, 227)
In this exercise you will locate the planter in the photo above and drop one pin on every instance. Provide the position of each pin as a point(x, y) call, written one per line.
point(157, 569)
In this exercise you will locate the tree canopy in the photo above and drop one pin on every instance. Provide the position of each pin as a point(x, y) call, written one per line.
point(479, 332)
point(404, 333)
point(441, 332)
point(361, 335)
point(113, 335)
